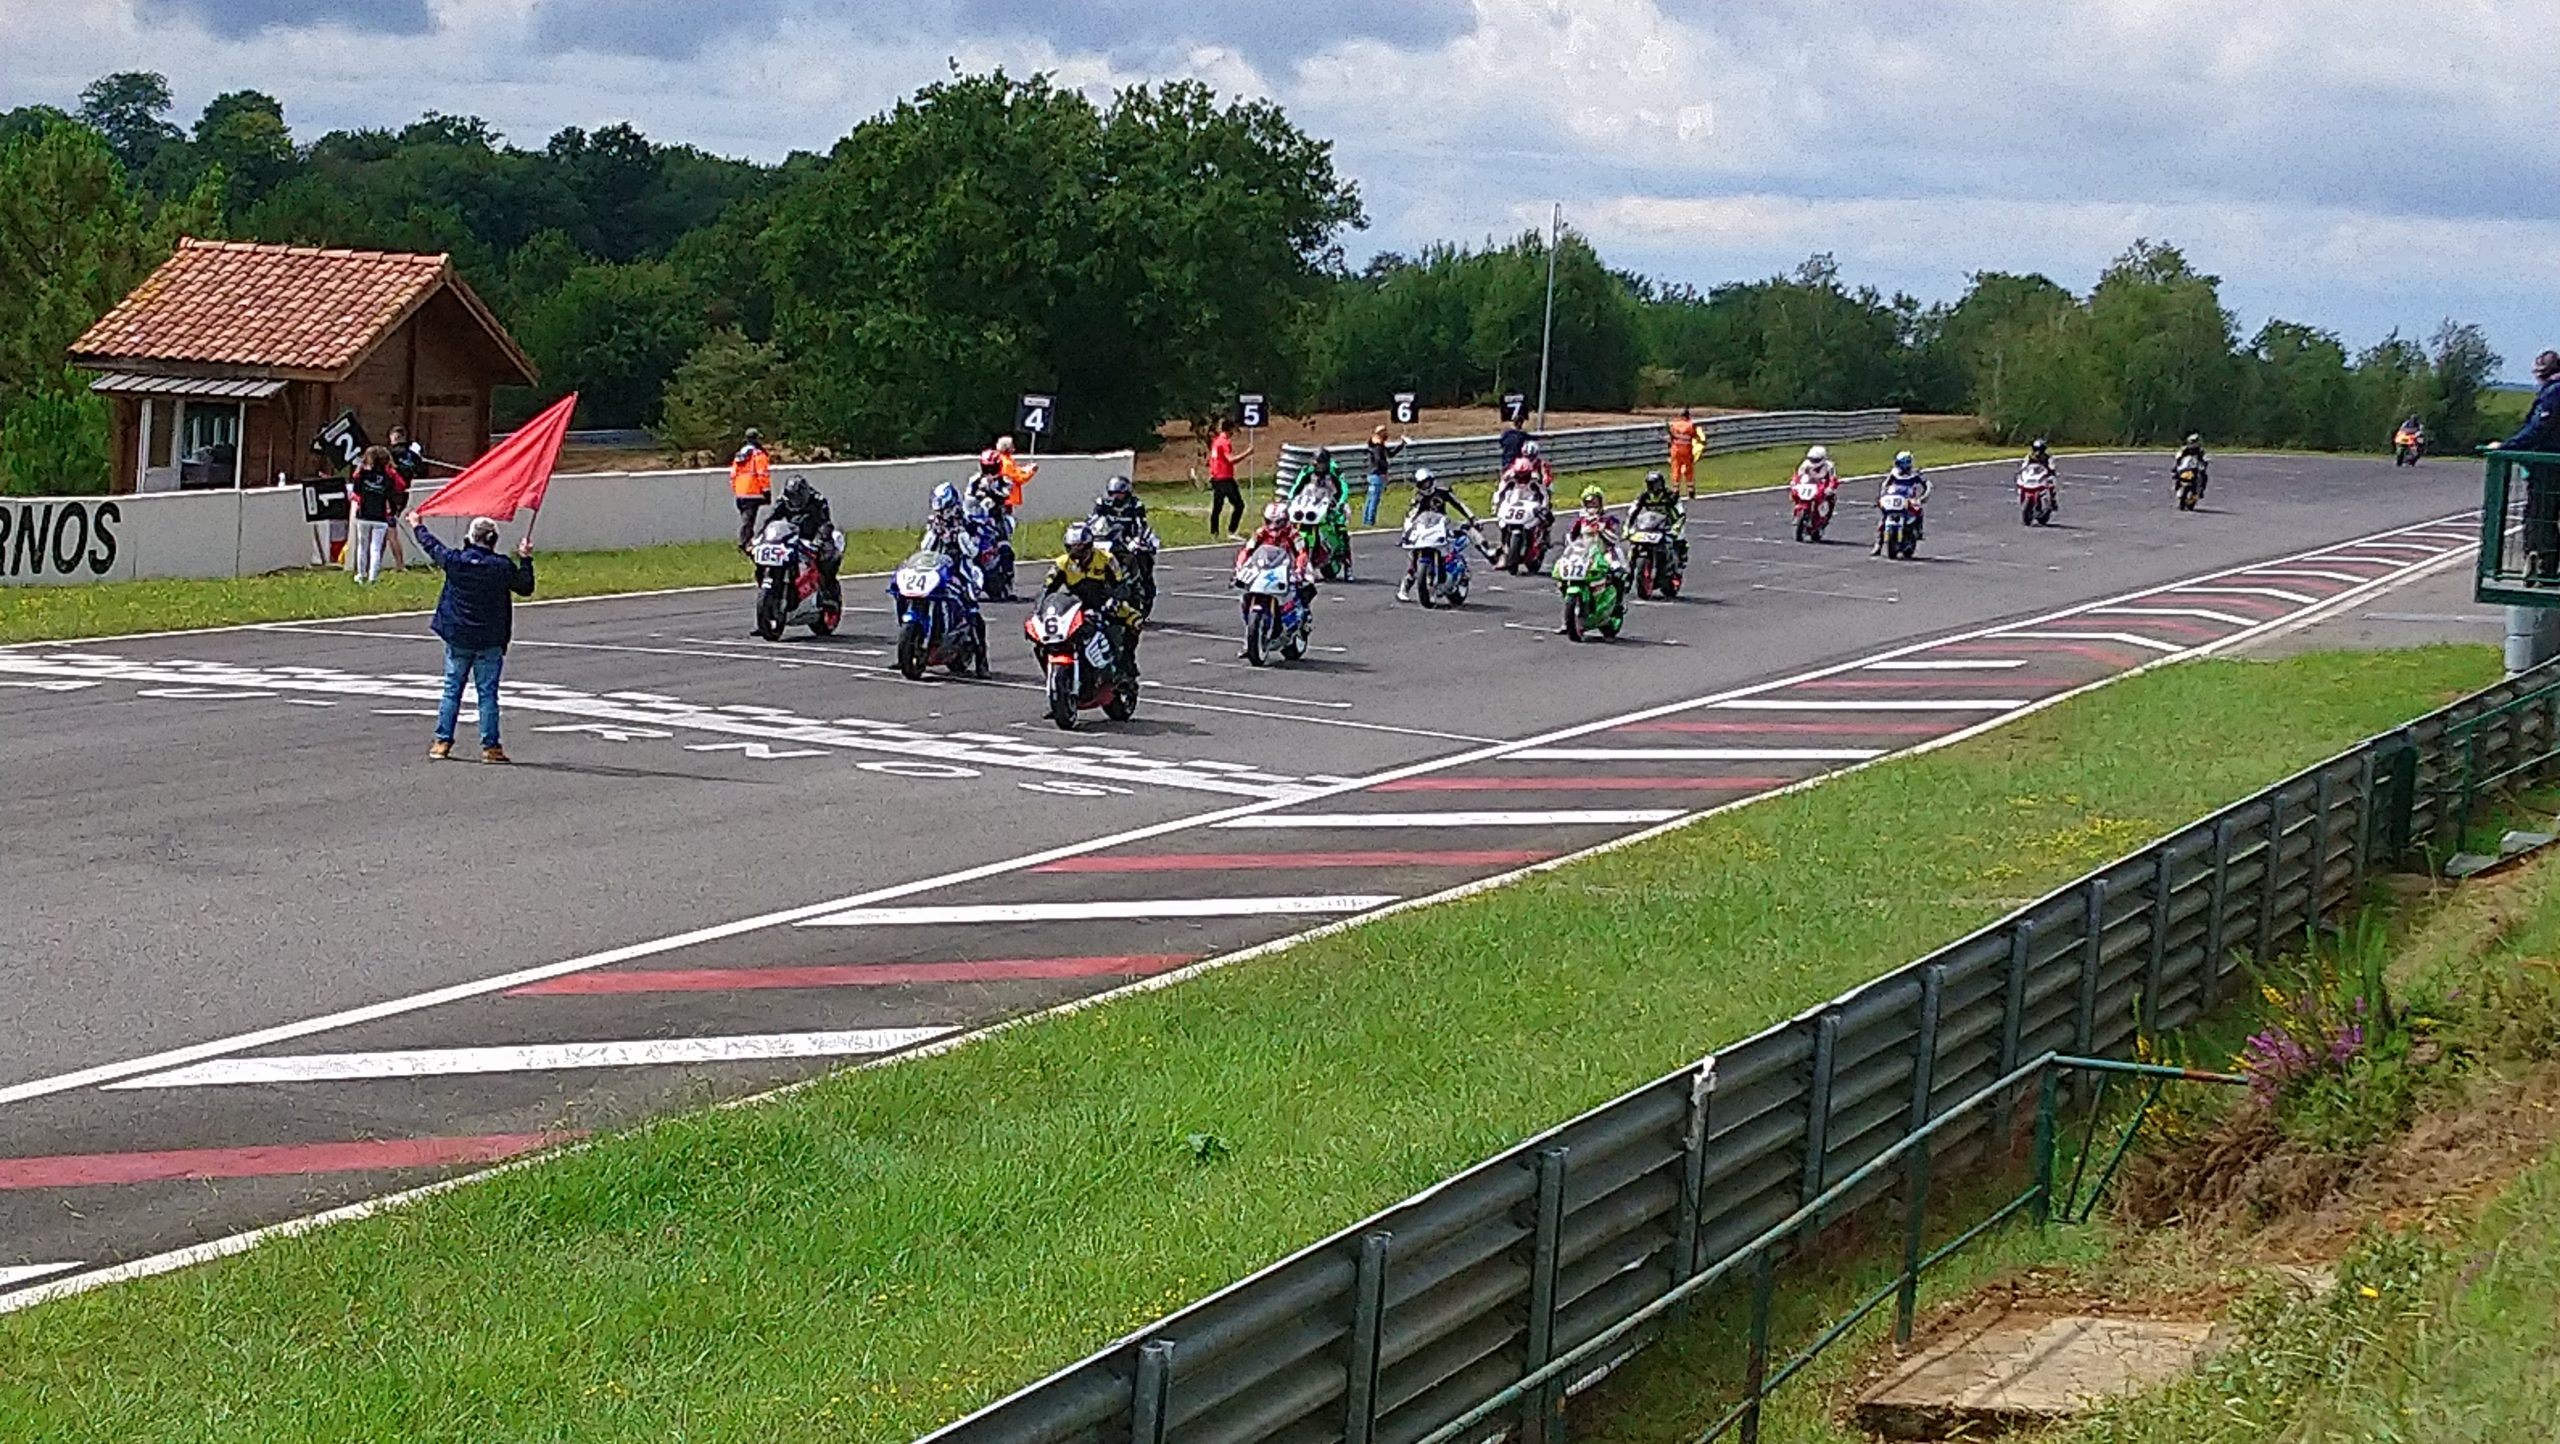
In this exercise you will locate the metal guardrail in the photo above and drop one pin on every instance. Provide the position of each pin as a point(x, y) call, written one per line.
point(2519, 562)
point(1394, 1329)
point(1597, 448)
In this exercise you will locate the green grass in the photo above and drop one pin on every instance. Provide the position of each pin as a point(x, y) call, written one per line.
point(882, 1252)
point(35, 614)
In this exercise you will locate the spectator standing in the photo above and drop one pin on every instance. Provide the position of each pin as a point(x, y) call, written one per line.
point(1381, 451)
point(750, 483)
point(475, 615)
point(369, 511)
point(1223, 491)
point(1513, 438)
point(2541, 432)
point(1684, 453)
point(409, 464)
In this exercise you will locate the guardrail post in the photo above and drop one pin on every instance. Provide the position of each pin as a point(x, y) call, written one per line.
point(2093, 944)
point(2013, 1010)
point(1368, 1338)
point(2367, 777)
point(2397, 805)
point(2315, 904)
point(1147, 1412)
point(1693, 1173)
point(1755, 1371)
point(2048, 1103)
point(2155, 970)
point(1817, 1107)
point(2270, 878)
point(1538, 1411)
point(2213, 929)
point(1915, 1182)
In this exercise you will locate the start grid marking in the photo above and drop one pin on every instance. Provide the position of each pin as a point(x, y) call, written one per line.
point(626, 717)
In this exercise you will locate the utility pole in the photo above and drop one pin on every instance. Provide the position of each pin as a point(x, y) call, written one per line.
point(1547, 333)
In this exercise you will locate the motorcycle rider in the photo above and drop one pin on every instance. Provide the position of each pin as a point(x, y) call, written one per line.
point(1119, 501)
point(1594, 520)
point(1817, 468)
point(1531, 468)
point(1905, 480)
point(1102, 586)
point(2192, 454)
point(1433, 495)
point(1659, 496)
point(1325, 471)
point(806, 510)
point(947, 531)
point(1278, 531)
point(2040, 454)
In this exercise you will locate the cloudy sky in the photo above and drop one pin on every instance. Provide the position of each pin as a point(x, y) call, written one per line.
point(2357, 164)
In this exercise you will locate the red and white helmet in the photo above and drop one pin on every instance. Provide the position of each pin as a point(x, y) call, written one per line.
point(990, 459)
point(1275, 515)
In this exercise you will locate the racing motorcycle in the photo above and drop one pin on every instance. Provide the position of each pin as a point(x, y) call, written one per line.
point(2037, 494)
point(1318, 509)
point(2408, 445)
point(1276, 619)
point(1594, 587)
point(1078, 664)
point(1134, 543)
point(992, 534)
point(939, 624)
point(1898, 512)
point(1813, 507)
point(1435, 559)
point(2190, 481)
point(1525, 521)
point(791, 588)
point(1653, 548)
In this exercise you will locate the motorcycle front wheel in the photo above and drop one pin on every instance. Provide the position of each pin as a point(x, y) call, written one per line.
point(1062, 697)
point(1257, 634)
point(1574, 620)
point(1644, 578)
point(769, 614)
point(1426, 580)
point(911, 651)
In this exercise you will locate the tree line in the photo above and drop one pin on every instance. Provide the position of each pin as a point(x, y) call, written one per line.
point(1143, 257)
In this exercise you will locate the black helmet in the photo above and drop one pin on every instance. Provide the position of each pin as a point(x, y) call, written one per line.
point(1117, 486)
point(798, 491)
point(1654, 480)
point(2036, 445)
point(2195, 438)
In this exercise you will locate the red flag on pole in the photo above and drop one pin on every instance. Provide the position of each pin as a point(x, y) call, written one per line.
point(514, 473)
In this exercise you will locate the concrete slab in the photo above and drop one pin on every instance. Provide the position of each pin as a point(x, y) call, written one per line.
point(2000, 1369)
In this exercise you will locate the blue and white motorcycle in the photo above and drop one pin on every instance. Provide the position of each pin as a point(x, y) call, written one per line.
point(939, 624)
point(1277, 617)
point(1435, 560)
point(991, 532)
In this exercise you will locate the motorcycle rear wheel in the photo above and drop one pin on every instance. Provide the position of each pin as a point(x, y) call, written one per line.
point(1124, 701)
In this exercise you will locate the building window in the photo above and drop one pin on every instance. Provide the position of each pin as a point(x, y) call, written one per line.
point(209, 444)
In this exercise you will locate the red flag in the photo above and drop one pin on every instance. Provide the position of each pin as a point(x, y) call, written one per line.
point(514, 473)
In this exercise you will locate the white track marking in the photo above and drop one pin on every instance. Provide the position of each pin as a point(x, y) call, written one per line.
point(536, 1058)
point(2304, 573)
point(97, 1074)
point(2225, 618)
point(1155, 686)
point(1595, 817)
point(2299, 599)
point(2387, 547)
point(2129, 638)
point(1696, 754)
point(11, 1275)
point(1181, 907)
point(1878, 704)
point(51, 686)
point(1991, 664)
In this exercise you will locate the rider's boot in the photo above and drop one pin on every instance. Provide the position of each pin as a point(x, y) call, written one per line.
point(1879, 551)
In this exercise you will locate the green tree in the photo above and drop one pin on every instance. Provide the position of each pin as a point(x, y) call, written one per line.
point(243, 133)
point(2164, 345)
point(614, 334)
point(2462, 365)
point(2300, 391)
point(53, 439)
point(728, 384)
point(130, 108)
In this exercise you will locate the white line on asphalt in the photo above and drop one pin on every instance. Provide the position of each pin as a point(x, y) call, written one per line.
point(14, 1274)
point(1988, 664)
point(1695, 754)
point(2388, 547)
point(1153, 685)
point(2299, 599)
point(2226, 618)
point(2129, 638)
point(1594, 817)
point(1875, 704)
point(2303, 573)
point(238, 1243)
point(1180, 907)
point(101, 1073)
point(536, 1058)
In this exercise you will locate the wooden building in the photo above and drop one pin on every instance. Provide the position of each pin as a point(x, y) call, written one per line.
point(227, 361)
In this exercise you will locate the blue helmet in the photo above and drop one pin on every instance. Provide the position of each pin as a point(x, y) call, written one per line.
point(946, 497)
point(1902, 463)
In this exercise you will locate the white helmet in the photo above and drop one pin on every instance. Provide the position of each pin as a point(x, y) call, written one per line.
point(1818, 454)
point(1528, 448)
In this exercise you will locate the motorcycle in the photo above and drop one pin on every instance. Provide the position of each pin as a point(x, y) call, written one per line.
point(792, 590)
point(1134, 543)
point(1079, 666)
point(1525, 521)
point(1813, 507)
point(2037, 495)
point(1595, 589)
point(2407, 446)
point(1653, 545)
point(1275, 617)
point(1319, 511)
point(1899, 514)
point(2190, 486)
point(1435, 559)
point(939, 624)
point(992, 534)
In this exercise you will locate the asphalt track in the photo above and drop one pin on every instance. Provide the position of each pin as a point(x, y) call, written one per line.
point(264, 959)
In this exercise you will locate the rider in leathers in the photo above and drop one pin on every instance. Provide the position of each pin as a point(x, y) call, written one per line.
point(1278, 531)
point(1906, 479)
point(1430, 494)
point(946, 530)
point(1658, 496)
point(806, 510)
point(2192, 454)
point(1103, 587)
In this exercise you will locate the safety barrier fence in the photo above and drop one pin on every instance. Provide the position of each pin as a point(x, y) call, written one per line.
point(1409, 1325)
point(1597, 448)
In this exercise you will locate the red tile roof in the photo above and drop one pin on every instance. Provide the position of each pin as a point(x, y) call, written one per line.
point(281, 308)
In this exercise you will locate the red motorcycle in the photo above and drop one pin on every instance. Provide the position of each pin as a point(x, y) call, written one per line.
point(1814, 502)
